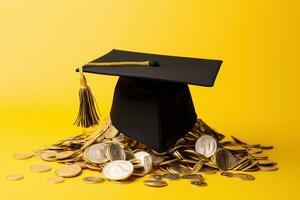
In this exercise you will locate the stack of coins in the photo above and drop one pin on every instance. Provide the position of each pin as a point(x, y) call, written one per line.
point(121, 159)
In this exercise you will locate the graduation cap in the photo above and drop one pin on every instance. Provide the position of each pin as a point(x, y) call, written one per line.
point(152, 102)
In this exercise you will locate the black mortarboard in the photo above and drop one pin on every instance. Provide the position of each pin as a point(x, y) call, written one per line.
point(152, 102)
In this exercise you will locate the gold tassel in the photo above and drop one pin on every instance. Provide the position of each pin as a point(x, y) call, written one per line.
point(87, 114)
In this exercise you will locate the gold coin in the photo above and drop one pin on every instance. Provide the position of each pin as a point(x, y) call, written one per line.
point(235, 148)
point(64, 154)
point(266, 162)
point(96, 135)
point(251, 166)
point(55, 179)
point(14, 177)
point(237, 140)
point(189, 161)
point(266, 146)
point(49, 159)
point(186, 170)
point(155, 183)
point(251, 145)
point(182, 158)
point(268, 168)
point(156, 176)
point(124, 181)
point(39, 149)
point(177, 154)
point(199, 183)
point(139, 171)
point(158, 153)
point(47, 155)
point(40, 168)
point(55, 148)
point(92, 167)
point(22, 155)
point(227, 174)
point(180, 141)
point(244, 176)
point(68, 171)
point(192, 176)
point(240, 162)
point(259, 157)
point(81, 164)
point(174, 168)
point(92, 179)
point(197, 167)
point(111, 132)
point(208, 170)
point(255, 150)
point(171, 176)
point(166, 162)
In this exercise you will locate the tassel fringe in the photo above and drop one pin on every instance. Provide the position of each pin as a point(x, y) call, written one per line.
point(87, 114)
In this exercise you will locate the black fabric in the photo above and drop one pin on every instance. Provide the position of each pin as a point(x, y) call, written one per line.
point(155, 113)
point(171, 68)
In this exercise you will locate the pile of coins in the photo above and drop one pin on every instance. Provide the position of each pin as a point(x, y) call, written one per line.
point(121, 159)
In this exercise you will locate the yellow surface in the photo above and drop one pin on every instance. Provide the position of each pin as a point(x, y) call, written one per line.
point(255, 98)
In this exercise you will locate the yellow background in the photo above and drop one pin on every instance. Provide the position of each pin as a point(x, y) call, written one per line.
point(255, 98)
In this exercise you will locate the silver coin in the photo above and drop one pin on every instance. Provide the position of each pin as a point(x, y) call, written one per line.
point(118, 170)
point(115, 152)
point(145, 160)
point(224, 159)
point(96, 153)
point(206, 145)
